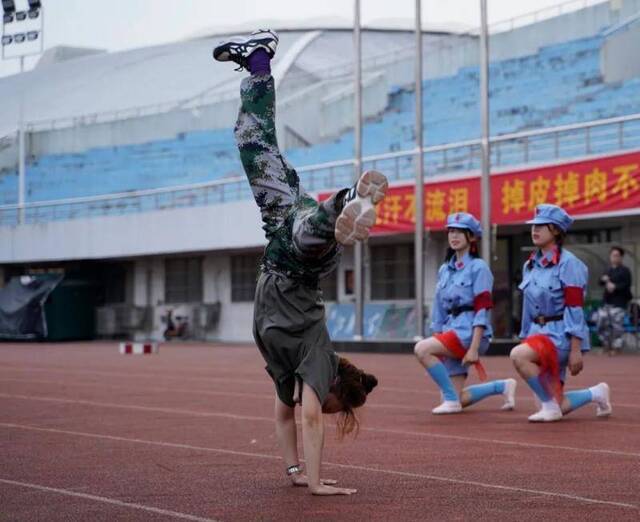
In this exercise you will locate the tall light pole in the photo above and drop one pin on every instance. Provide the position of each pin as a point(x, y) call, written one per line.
point(20, 29)
point(419, 188)
point(358, 330)
point(485, 182)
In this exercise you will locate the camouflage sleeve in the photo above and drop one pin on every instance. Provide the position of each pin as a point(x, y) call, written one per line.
point(314, 225)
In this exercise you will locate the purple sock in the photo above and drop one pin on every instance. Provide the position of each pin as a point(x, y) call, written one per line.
point(259, 62)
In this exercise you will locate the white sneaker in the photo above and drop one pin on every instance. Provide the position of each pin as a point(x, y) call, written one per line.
point(509, 395)
point(359, 213)
point(447, 407)
point(602, 397)
point(549, 412)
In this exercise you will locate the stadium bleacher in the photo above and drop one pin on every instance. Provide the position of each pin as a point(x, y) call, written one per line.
point(560, 84)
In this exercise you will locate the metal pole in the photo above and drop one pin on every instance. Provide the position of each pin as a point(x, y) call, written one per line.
point(484, 107)
point(358, 247)
point(21, 162)
point(419, 188)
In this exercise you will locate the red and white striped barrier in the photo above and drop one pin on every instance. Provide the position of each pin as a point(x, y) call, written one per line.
point(138, 348)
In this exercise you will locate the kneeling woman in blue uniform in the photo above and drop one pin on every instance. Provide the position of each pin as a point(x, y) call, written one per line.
point(461, 322)
point(553, 326)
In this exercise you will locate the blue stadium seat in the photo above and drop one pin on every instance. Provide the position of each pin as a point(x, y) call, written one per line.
point(560, 84)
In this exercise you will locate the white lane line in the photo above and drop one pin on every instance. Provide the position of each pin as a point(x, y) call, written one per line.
point(438, 478)
point(182, 378)
point(505, 442)
point(366, 428)
point(101, 385)
point(136, 407)
point(106, 500)
point(262, 379)
point(259, 396)
point(267, 384)
point(262, 396)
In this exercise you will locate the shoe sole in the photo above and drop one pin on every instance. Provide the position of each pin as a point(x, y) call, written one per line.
point(546, 420)
point(359, 215)
point(446, 412)
point(456, 408)
point(372, 184)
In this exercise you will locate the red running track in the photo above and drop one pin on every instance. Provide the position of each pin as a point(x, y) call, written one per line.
point(187, 434)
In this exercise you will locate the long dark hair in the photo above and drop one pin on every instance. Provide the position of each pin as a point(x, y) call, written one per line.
point(351, 388)
point(474, 251)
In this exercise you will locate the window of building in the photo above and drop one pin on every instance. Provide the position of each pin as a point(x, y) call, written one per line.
point(244, 275)
point(392, 272)
point(183, 280)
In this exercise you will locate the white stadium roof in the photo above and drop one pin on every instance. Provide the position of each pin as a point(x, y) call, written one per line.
point(332, 23)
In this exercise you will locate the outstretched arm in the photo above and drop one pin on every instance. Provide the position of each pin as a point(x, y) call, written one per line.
point(286, 432)
point(313, 442)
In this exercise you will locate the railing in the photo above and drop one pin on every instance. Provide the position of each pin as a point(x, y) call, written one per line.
point(623, 25)
point(539, 15)
point(544, 145)
point(219, 191)
point(122, 114)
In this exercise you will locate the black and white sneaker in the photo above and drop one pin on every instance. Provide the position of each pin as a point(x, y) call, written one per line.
point(238, 48)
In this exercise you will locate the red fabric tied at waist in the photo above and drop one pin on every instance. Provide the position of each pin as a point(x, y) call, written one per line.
point(453, 344)
point(549, 364)
point(482, 300)
point(573, 296)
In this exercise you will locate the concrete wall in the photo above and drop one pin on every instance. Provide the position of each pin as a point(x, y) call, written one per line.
point(337, 109)
point(571, 26)
point(528, 39)
point(236, 317)
point(619, 55)
point(196, 229)
point(148, 289)
point(302, 111)
point(86, 135)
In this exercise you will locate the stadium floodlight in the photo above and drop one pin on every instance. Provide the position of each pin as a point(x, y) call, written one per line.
point(34, 9)
point(8, 6)
point(34, 35)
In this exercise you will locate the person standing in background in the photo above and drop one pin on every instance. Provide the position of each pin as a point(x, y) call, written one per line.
point(617, 294)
